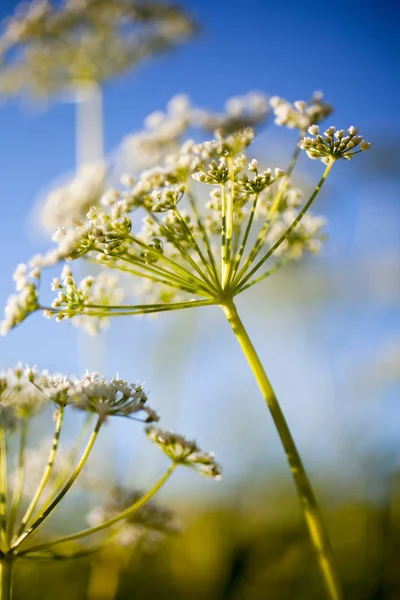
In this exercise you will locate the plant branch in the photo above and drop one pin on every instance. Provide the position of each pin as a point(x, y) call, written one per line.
point(314, 521)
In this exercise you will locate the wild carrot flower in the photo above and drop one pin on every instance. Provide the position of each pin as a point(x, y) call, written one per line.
point(48, 47)
point(251, 223)
point(23, 393)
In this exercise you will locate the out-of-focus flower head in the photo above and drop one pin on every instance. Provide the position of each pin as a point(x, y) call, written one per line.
point(46, 47)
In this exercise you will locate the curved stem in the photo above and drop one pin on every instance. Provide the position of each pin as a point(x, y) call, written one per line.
point(6, 579)
point(194, 242)
point(62, 477)
point(17, 493)
point(47, 471)
point(39, 520)
point(204, 235)
point(316, 527)
point(106, 524)
point(3, 488)
point(289, 229)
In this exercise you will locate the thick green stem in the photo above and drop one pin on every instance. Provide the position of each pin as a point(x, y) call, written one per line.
point(316, 528)
point(6, 579)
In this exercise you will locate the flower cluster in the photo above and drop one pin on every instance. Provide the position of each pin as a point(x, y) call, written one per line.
point(212, 217)
point(99, 39)
point(68, 204)
point(148, 524)
point(300, 114)
point(249, 110)
point(163, 132)
point(333, 144)
point(84, 299)
point(23, 392)
point(115, 397)
point(184, 452)
point(21, 305)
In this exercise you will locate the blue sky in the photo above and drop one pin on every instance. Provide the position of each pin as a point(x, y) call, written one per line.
point(350, 51)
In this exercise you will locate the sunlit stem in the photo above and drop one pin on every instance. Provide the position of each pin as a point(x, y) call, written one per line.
point(223, 233)
point(194, 242)
point(263, 276)
point(229, 224)
point(185, 274)
point(204, 235)
point(47, 471)
point(59, 557)
point(45, 513)
point(264, 230)
point(314, 521)
point(164, 279)
point(19, 484)
point(3, 488)
point(62, 476)
point(145, 308)
point(185, 255)
point(109, 522)
point(6, 578)
point(245, 236)
point(292, 226)
point(191, 281)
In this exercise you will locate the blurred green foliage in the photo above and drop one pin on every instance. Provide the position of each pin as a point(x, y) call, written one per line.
point(235, 550)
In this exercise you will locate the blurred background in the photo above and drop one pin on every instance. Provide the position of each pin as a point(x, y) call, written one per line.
point(327, 328)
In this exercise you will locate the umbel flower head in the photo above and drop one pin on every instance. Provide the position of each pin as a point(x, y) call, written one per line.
point(47, 47)
point(333, 144)
point(160, 140)
point(115, 397)
point(147, 525)
point(199, 229)
point(23, 392)
point(184, 452)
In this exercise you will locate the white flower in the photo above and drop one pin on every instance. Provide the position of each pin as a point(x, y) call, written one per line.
point(69, 204)
point(185, 452)
point(300, 115)
point(333, 144)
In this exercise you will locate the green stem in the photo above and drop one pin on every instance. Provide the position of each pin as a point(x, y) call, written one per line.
point(229, 224)
point(289, 229)
point(223, 232)
point(194, 242)
point(6, 578)
point(263, 233)
point(316, 528)
point(3, 488)
point(62, 477)
point(47, 471)
point(245, 237)
point(193, 282)
point(157, 279)
point(106, 524)
point(164, 229)
point(263, 276)
point(17, 493)
point(204, 235)
point(44, 514)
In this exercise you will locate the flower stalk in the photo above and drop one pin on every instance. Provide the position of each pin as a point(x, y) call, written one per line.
point(211, 255)
point(6, 578)
point(22, 394)
point(311, 512)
